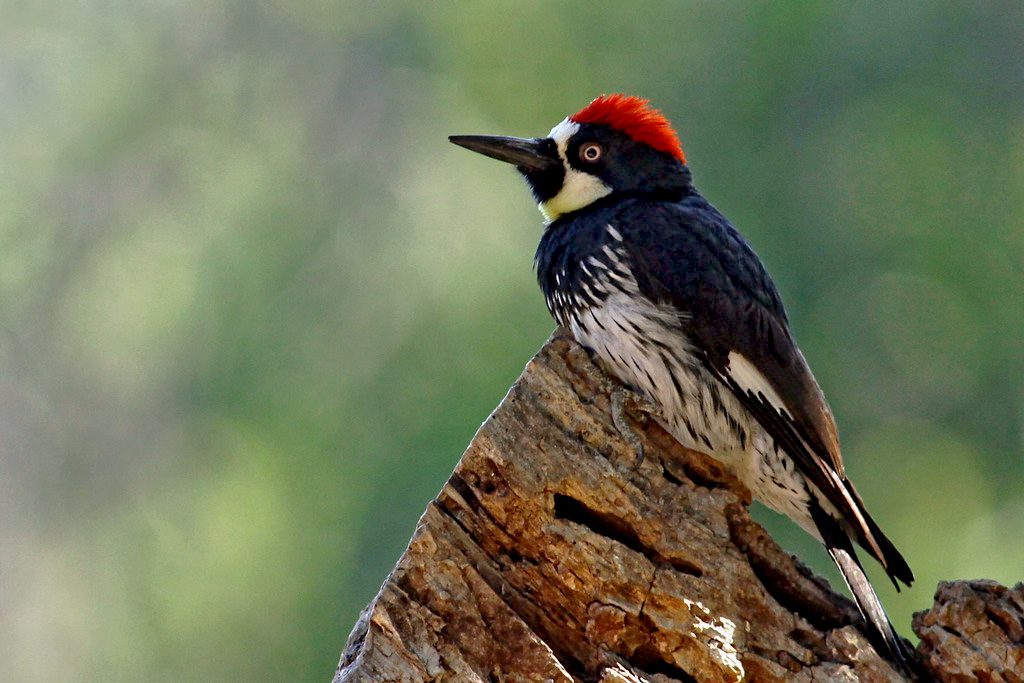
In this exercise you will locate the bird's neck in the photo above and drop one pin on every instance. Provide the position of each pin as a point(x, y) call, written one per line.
point(619, 197)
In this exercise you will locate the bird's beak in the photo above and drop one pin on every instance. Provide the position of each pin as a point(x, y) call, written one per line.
point(528, 154)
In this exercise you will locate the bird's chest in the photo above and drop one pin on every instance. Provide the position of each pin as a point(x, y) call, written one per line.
point(639, 341)
point(581, 272)
point(642, 342)
point(589, 288)
point(645, 346)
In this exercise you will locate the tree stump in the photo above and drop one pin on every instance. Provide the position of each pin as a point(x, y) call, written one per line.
point(550, 555)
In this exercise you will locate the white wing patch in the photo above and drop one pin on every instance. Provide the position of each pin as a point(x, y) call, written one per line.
point(749, 378)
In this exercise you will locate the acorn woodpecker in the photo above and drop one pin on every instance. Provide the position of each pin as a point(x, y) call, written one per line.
point(660, 287)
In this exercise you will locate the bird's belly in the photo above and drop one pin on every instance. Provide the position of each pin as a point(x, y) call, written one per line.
point(643, 345)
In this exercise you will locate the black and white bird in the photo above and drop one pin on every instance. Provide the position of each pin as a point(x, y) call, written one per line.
point(655, 282)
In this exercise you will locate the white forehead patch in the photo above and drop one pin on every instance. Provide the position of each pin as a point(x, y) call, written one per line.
point(578, 189)
point(562, 132)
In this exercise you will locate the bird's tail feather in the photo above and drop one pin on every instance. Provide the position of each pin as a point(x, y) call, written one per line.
point(880, 630)
point(891, 558)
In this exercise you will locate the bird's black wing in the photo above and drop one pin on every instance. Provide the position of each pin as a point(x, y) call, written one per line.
point(688, 255)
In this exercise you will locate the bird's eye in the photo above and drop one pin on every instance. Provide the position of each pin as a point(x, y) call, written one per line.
point(590, 152)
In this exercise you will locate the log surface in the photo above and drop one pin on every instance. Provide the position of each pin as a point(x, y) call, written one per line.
point(973, 632)
point(550, 556)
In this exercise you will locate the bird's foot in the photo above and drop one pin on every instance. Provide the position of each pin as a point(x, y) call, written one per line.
point(619, 396)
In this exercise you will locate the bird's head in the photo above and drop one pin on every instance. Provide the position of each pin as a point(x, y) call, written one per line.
point(616, 144)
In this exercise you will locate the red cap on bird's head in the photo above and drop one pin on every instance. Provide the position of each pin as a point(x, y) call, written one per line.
point(634, 117)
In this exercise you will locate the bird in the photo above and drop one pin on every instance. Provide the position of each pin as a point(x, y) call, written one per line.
point(672, 300)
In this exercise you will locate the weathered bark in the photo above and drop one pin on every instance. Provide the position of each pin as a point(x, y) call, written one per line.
point(549, 556)
point(973, 632)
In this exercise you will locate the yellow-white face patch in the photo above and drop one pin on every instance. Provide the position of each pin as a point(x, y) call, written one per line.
point(578, 189)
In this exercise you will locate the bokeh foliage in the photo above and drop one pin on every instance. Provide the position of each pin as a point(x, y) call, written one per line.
point(253, 305)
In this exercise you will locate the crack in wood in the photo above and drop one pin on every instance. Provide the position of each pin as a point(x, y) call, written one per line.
point(648, 660)
point(782, 578)
point(611, 527)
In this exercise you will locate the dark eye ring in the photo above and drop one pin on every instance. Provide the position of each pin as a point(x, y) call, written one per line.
point(590, 152)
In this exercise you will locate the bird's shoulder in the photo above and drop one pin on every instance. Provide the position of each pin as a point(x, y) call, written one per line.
point(689, 252)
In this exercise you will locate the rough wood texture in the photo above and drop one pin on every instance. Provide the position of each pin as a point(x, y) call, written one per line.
point(549, 557)
point(973, 632)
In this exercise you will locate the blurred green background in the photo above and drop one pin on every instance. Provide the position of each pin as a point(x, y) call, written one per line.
point(254, 305)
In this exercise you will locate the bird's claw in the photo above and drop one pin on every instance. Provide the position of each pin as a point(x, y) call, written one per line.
point(621, 422)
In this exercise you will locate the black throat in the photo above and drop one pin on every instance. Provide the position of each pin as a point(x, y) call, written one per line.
point(545, 183)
